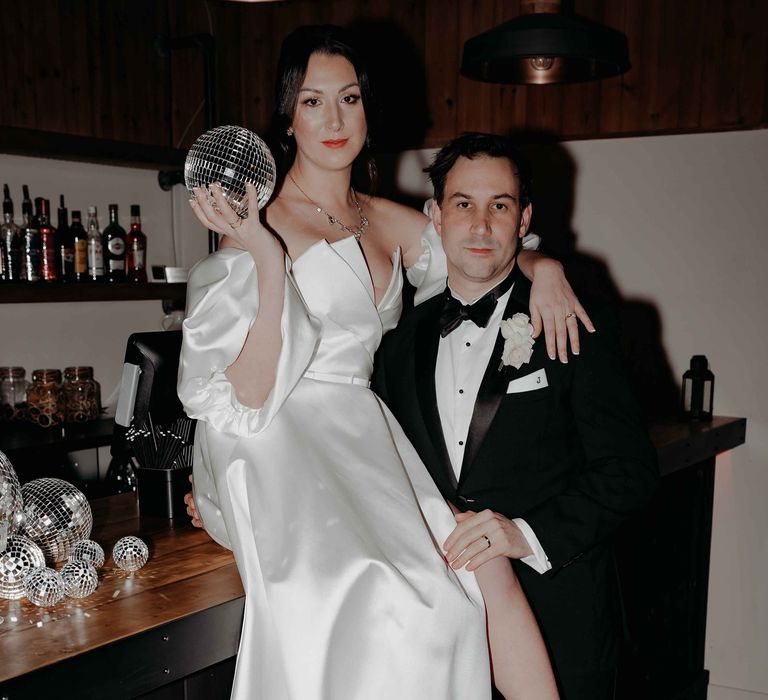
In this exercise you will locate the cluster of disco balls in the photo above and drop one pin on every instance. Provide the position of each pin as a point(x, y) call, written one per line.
point(49, 520)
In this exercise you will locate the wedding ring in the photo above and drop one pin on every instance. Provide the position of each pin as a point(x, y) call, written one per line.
point(485, 537)
point(570, 315)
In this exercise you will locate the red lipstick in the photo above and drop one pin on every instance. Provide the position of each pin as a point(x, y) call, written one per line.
point(335, 143)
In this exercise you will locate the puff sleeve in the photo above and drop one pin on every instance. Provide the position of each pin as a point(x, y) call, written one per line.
point(222, 302)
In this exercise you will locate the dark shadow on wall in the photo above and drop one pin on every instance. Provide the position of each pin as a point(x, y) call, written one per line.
point(398, 77)
point(554, 175)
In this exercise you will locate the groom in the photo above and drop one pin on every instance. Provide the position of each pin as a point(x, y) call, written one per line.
point(546, 459)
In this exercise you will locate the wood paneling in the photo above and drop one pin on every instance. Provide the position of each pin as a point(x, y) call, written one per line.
point(89, 68)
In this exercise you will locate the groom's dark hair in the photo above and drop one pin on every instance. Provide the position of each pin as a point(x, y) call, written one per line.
point(473, 144)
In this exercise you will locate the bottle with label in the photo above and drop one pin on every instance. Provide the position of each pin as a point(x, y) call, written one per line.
point(47, 240)
point(80, 247)
point(65, 246)
point(95, 248)
point(10, 241)
point(136, 245)
point(114, 248)
point(31, 250)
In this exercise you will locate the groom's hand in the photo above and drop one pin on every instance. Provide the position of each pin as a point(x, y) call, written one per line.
point(479, 537)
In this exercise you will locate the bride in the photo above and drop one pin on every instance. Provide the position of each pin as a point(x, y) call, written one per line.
point(300, 469)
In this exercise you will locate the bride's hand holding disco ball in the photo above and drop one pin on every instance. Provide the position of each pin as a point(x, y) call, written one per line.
point(229, 172)
point(215, 213)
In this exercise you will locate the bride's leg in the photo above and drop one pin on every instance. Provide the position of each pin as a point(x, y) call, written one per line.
point(521, 668)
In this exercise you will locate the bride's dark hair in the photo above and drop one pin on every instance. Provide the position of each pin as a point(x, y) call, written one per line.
point(295, 53)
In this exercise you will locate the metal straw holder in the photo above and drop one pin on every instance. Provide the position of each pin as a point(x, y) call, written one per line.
point(161, 491)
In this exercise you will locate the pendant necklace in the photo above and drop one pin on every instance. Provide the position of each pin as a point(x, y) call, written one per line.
point(334, 221)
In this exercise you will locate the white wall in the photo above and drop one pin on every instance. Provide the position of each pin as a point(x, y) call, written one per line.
point(681, 222)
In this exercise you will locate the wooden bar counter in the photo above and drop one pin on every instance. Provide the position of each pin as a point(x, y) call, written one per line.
point(177, 616)
point(170, 630)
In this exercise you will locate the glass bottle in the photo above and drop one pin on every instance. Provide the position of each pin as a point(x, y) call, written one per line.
point(80, 247)
point(10, 241)
point(47, 241)
point(65, 245)
point(136, 244)
point(95, 248)
point(114, 248)
point(45, 399)
point(31, 249)
point(81, 394)
point(13, 394)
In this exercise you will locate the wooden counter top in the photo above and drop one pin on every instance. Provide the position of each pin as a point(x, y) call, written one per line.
point(187, 575)
point(680, 444)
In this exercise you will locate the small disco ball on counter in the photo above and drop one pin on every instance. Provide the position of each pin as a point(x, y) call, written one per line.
point(56, 516)
point(20, 557)
point(88, 551)
point(44, 587)
point(232, 156)
point(130, 553)
point(11, 503)
point(80, 579)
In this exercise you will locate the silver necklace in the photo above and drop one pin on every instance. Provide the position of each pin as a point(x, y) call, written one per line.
point(334, 221)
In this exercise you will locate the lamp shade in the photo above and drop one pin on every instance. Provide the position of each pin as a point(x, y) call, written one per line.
point(545, 47)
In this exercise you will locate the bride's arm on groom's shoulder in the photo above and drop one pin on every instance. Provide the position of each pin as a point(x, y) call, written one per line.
point(554, 306)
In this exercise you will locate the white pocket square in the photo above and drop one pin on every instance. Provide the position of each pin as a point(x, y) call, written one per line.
point(530, 382)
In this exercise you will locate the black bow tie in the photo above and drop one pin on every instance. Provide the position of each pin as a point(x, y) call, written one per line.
point(454, 313)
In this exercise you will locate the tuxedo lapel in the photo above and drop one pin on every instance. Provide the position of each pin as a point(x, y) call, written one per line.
point(495, 380)
point(425, 351)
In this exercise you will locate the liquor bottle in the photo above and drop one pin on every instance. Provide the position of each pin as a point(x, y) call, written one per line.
point(47, 240)
point(80, 246)
point(10, 241)
point(31, 250)
point(136, 245)
point(65, 246)
point(95, 248)
point(114, 248)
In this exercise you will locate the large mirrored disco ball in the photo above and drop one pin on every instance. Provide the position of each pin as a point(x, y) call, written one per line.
point(80, 579)
point(130, 553)
point(88, 551)
point(232, 156)
point(56, 516)
point(21, 555)
point(44, 586)
point(11, 503)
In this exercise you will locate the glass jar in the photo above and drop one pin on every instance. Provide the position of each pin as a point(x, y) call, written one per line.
point(45, 398)
point(81, 394)
point(13, 394)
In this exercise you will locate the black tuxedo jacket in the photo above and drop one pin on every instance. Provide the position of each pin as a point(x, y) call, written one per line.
point(572, 458)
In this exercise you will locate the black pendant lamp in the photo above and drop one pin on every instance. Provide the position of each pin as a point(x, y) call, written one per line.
point(544, 46)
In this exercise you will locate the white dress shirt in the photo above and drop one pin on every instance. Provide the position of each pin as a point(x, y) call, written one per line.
point(462, 357)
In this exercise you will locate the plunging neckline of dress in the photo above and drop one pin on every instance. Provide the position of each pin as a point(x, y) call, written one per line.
point(371, 288)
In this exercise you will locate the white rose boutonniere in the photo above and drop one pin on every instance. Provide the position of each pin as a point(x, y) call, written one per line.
point(518, 341)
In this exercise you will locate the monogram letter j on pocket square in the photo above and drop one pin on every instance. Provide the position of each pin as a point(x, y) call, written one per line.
point(530, 382)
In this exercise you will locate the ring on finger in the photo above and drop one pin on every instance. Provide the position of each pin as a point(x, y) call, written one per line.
point(570, 315)
point(485, 537)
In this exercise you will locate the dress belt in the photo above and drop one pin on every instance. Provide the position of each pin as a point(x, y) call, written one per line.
point(337, 378)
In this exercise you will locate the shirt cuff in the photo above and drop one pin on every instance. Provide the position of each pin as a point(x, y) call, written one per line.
point(538, 561)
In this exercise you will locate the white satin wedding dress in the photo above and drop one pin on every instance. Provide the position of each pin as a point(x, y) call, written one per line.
point(333, 519)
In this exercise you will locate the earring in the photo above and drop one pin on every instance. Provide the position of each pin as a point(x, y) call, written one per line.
point(289, 131)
